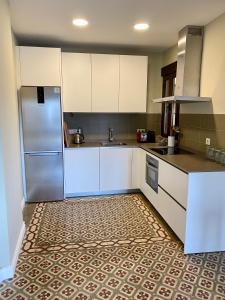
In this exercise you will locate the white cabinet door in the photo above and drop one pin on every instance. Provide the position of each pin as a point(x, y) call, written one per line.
point(172, 213)
point(174, 181)
point(81, 170)
point(115, 169)
point(136, 170)
point(105, 82)
point(40, 66)
point(76, 82)
point(133, 83)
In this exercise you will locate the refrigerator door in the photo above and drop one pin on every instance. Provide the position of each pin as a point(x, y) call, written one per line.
point(44, 176)
point(41, 118)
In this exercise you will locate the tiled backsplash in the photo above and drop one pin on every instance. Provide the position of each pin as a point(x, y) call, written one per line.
point(195, 128)
point(96, 125)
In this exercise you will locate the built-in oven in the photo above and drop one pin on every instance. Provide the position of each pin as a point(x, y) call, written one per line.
point(152, 172)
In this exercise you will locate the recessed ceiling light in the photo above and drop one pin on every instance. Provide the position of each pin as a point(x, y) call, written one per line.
point(141, 26)
point(80, 22)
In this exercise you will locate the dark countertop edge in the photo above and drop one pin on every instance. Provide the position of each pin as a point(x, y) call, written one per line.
point(146, 146)
point(217, 169)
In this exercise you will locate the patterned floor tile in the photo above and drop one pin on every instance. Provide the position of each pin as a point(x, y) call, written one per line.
point(155, 270)
point(109, 273)
point(99, 221)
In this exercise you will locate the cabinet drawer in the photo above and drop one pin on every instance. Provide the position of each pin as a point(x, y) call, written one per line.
point(171, 212)
point(174, 181)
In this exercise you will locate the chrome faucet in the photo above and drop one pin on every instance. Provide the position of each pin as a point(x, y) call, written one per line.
point(111, 138)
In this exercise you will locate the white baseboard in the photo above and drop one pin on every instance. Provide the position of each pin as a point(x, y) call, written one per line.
point(9, 271)
point(23, 204)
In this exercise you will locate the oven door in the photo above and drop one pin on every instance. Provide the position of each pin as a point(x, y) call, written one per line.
point(151, 175)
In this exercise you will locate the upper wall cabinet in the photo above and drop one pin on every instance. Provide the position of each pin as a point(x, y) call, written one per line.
point(40, 66)
point(105, 83)
point(76, 80)
point(133, 83)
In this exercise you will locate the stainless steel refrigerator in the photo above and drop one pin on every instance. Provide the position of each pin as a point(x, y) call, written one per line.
point(42, 143)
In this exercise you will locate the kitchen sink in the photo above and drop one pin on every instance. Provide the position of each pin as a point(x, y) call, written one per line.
point(113, 144)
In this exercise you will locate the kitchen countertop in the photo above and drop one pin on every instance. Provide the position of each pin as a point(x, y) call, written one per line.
point(188, 163)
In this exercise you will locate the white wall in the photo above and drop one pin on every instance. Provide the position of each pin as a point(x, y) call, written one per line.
point(213, 66)
point(169, 56)
point(212, 73)
point(10, 167)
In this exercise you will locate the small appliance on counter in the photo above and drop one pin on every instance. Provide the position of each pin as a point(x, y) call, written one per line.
point(142, 136)
point(145, 137)
point(79, 136)
point(151, 136)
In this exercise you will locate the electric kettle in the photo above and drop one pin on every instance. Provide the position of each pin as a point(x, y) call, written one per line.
point(79, 136)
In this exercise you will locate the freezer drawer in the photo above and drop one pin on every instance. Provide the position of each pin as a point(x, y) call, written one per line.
point(44, 176)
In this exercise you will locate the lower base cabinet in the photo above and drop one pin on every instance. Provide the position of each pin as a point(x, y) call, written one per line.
point(115, 169)
point(81, 171)
point(171, 212)
point(97, 170)
point(167, 207)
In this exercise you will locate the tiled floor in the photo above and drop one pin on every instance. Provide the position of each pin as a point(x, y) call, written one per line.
point(145, 263)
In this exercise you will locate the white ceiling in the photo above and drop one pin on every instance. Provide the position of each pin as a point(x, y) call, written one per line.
point(111, 21)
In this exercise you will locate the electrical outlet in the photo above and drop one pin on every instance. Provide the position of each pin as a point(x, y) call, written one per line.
point(207, 141)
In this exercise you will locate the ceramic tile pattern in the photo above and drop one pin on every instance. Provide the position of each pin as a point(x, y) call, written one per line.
point(197, 127)
point(96, 125)
point(194, 127)
point(147, 270)
point(92, 222)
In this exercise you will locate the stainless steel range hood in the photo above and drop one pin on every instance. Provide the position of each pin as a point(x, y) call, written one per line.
point(189, 58)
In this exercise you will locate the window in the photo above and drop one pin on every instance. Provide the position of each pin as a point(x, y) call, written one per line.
point(168, 74)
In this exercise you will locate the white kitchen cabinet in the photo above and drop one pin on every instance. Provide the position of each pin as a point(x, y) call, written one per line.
point(115, 169)
point(167, 207)
point(105, 82)
point(174, 181)
point(40, 66)
point(171, 212)
point(81, 167)
point(133, 83)
point(136, 172)
point(76, 81)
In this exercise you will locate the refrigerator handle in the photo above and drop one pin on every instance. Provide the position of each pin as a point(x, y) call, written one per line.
point(43, 153)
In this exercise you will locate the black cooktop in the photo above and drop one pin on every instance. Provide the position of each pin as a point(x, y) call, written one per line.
point(170, 151)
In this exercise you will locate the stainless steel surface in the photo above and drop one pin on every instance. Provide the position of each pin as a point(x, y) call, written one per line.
point(189, 58)
point(41, 122)
point(111, 138)
point(78, 138)
point(112, 144)
point(40, 109)
point(152, 172)
point(44, 176)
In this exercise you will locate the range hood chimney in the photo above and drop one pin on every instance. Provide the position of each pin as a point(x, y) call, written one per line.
point(189, 58)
